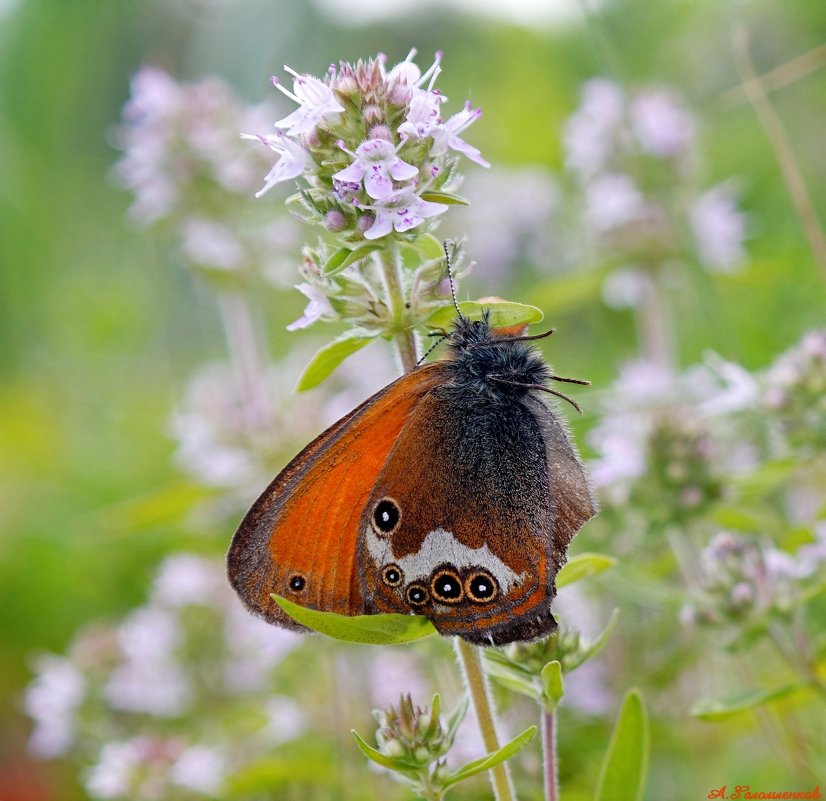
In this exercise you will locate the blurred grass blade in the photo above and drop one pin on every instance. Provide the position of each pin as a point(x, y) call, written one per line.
point(493, 759)
point(332, 355)
point(623, 773)
point(370, 629)
point(502, 314)
point(582, 566)
point(596, 646)
point(720, 708)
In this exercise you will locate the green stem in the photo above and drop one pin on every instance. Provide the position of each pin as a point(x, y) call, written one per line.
point(549, 755)
point(247, 355)
point(405, 340)
point(476, 682)
point(654, 322)
point(803, 667)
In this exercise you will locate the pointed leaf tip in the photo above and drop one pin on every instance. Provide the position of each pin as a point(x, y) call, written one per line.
point(552, 684)
point(623, 773)
point(368, 629)
point(582, 566)
point(332, 355)
point(493, 759)
point(501, 314)
point(711, 709)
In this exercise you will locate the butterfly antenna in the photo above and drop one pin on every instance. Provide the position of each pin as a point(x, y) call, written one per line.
point(450, 279)
point(511, 340)
point(500, 380)
point(442, 338)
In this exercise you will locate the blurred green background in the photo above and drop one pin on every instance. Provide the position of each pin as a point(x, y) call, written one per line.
point(99, 332)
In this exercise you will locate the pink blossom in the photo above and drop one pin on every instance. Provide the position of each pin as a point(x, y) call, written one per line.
point(408, 74)
point(52, 700)
point(316, 100)
point(447, 135)
point(613, 200)
point(316, 309)
point(590, 132)
point(402, 210)
point(422, 115)
point(377, 164)
point(662, 125)
point(293, 161)
point(200, 768)
point(719, 228)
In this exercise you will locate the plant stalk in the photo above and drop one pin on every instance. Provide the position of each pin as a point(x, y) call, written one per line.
point(470, 658)
point(549, 760)
point(754, 88)
point(405, 340)
point(247, 355)
point(654, 322)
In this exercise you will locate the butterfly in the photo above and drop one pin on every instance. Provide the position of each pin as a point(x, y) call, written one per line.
point(452, 493)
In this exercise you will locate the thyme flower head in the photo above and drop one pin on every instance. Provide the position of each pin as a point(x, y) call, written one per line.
point(375, 152)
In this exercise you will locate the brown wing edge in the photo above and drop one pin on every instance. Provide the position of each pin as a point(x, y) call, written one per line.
point(574, 500)
point(248, 554)
point(574, 505)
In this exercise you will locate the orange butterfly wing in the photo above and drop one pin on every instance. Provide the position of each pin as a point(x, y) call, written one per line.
point(299, 539)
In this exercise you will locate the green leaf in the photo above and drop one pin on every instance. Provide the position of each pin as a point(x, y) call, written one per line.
point(718, 709)
point(513, 680)
point(767, 478)
point(503, 314)
point(491, 760)
point(586, 653)
point(430, 247)
point(373, 629)
point(344, 257)
point(447, 198)
point(511, 676)
point(264, 775)
point(582, 566)
point(456, 717)
point(738, 519)
point(160, 507)
point(376, 756)
point(622, 777)
point(332, 355)
point(435, 709)
point(552, 684)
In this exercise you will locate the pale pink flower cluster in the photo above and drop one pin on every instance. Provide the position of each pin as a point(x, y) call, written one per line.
point(745, 578)
point(634, 155)
point(186, 167)
point(111, 698)
point(407, 151)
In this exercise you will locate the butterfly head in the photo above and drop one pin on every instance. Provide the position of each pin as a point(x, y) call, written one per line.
point(482, 355)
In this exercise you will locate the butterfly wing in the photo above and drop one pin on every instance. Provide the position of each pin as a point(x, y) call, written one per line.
point(478, 550)
point(299, 538)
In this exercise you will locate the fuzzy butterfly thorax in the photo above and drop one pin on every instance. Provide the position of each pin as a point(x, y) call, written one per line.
point(480, 354)
point(452, 493)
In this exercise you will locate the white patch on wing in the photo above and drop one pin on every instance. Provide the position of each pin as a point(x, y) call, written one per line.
point(440, 547)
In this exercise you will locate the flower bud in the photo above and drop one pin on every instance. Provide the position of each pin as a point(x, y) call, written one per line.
point(335, 221)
